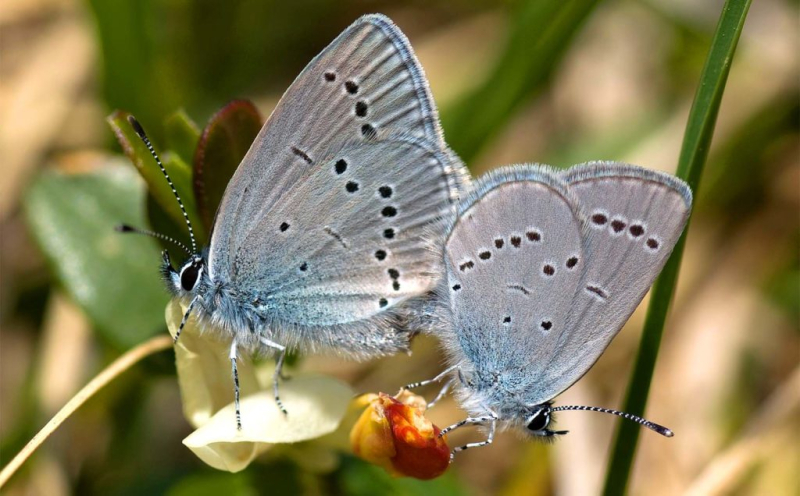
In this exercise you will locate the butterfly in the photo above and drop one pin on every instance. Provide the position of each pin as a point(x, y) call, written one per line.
point(543, 268)
point(326, 231)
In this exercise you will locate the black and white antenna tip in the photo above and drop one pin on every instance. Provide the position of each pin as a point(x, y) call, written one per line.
point(137, 127)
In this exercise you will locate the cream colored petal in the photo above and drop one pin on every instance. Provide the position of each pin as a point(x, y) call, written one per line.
point(204, 369)
point(316, 405)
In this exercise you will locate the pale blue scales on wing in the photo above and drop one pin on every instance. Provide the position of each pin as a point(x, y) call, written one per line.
point(543, 268)
point(331, 229)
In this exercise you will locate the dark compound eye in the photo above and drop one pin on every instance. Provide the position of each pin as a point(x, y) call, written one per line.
point(189, 276)
point(540, 420)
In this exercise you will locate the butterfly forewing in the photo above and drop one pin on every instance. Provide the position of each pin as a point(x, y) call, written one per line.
point(508, 269)
point(366, 83)
point(634, 217)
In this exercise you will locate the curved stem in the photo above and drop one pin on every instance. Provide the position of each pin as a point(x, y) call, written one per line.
point(120, 365)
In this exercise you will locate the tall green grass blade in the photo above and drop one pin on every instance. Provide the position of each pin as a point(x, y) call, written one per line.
point(540, 35)
point(699, 131)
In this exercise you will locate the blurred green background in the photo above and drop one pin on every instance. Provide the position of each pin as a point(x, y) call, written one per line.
point(557, 82)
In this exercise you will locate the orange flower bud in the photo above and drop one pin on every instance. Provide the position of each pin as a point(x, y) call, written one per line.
point(393, 433)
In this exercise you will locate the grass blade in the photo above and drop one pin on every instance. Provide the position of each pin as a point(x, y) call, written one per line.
point(696, 141)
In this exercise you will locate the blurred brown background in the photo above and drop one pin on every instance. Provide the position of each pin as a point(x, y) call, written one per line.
point(727, 381)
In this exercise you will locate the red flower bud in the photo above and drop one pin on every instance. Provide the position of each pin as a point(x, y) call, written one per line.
point(394, 434)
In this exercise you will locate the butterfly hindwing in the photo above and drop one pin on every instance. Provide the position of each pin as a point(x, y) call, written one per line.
point(508, 267)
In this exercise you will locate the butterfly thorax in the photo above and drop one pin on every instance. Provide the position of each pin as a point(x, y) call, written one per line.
point(218, 306)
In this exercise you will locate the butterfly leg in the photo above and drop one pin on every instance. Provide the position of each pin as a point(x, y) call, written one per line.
point(469, 421)
point(489, 440)
point(184, 319)
point(431, 381)
point(233, 357)
point(276, 376)
point(442, 393)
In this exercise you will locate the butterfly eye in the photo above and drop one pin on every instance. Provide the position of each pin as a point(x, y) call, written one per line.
point(539, 421)
point(190, 275)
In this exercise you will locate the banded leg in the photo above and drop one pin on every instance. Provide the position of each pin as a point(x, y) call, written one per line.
point(442, 393)
point(489, 440)
point(233, 357)
point(276, 376)
point(468, 421)
point(184, 319)
point(431, 381)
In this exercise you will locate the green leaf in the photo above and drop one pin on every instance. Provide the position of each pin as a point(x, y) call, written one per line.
point(182, 135)
point(696, 142)
point(179, 172)
point(113, 277)
point(540, 35)
point(222, 146)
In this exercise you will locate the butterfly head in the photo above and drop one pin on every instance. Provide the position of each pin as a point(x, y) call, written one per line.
point(187, 279)
point(537, 419)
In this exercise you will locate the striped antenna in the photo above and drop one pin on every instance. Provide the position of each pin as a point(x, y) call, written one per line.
point(639, 420)
point(140, 132)
point(125, 228)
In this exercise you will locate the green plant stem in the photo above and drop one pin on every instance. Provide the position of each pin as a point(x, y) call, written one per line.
point(696, 142)
point(120, 365)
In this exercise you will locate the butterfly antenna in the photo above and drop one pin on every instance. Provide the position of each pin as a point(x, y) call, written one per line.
point(639, 420)
point(124, 228)
point(140, 131)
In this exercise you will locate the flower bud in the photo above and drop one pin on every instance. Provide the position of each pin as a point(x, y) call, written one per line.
point(393, 433)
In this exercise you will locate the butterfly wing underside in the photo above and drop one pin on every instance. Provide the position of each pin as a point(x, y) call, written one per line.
point(337, 189)
point(509, 261)
point(634, 218)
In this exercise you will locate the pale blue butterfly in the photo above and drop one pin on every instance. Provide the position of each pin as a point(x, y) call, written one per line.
point(543, 268)
point(324, 233)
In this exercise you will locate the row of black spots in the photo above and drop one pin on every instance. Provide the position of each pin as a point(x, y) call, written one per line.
point(380, 255)
point(394, 274)
point(349, 86)
point(456, 287)
point(485, 255)
point(340, 167)
point(465, 266)
point(284, 226)
point(546, 324)
point(383, 302)
point(617, 224)
point(548, 270)
point(303, 267)
point(389, 211)
point(389, 233)
point(571, 262)
point(361, 108)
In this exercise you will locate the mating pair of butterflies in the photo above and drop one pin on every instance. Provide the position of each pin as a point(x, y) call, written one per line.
point(349, 220)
